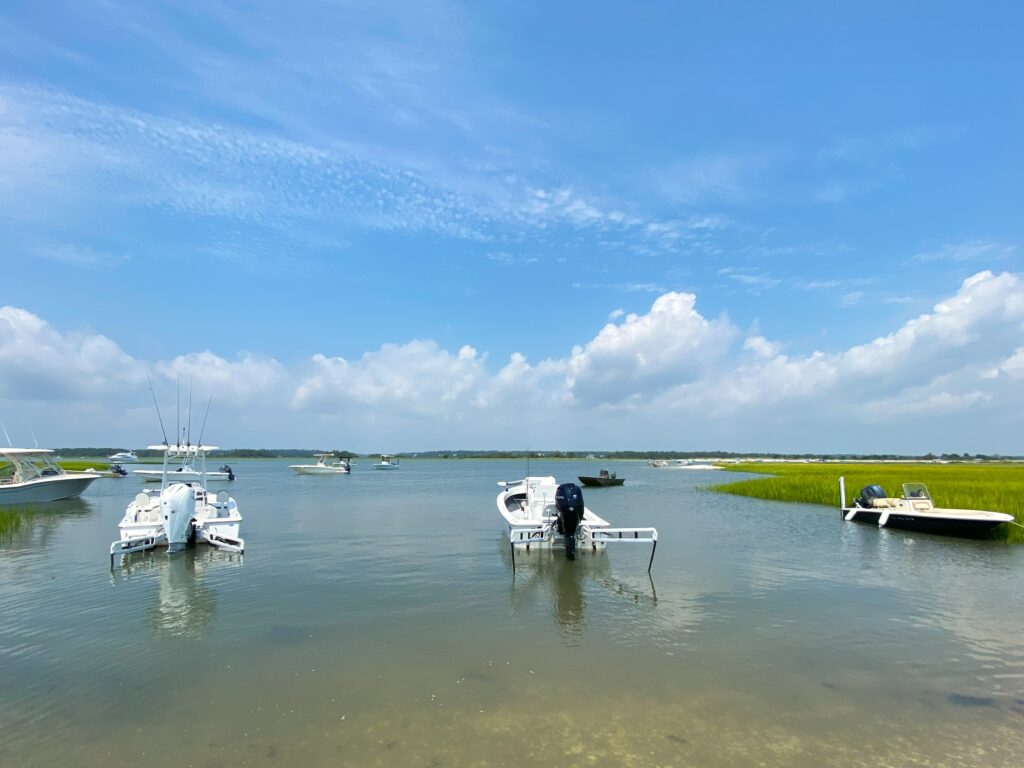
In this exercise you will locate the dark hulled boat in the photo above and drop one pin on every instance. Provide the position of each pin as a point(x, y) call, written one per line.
point(914, 511)
point(603, 479)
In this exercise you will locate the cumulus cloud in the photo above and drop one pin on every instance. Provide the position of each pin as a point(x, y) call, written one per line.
point(953, 370)
point(40, 363)
point(627, 361)
point(418, 378)
point(248, 378)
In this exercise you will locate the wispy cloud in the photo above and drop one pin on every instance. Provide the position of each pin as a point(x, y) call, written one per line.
point(972, 250)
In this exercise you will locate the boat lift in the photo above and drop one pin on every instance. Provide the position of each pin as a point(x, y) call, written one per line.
point(585, 536)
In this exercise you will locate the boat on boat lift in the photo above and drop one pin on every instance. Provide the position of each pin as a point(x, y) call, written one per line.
point(387, 461)
point(915, 511)
point(326, 464)
point(179, 514)
point(31, 476)
point(538, 512)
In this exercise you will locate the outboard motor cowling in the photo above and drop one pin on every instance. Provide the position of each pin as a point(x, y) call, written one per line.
point(868, 494)
point(569, 505)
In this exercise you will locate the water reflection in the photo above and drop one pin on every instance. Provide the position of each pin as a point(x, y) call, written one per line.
point(34, 525)
point(547, 571)
point(185, 603)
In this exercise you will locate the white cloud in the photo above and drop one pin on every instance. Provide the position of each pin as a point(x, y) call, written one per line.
point(642, 379)
point(415, 378)
point(626, 361)
point(249, 378)
point(972, 250)
point(37, 362)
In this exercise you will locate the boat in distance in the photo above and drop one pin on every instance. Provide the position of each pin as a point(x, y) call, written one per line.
point(123, 457)
point(915, 511)
point(186, 473)
point(537, 512)
point(387, 461)
point(681, 464)
point(326, 464)
point(31, 476)
point(604, 479)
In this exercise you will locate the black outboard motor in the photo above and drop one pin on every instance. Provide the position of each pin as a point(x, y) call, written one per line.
point(226, 468)
point(117, 469)
point(868, 494)
point(569, 504)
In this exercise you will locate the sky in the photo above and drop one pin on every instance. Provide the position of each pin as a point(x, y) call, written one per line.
point(427, 225)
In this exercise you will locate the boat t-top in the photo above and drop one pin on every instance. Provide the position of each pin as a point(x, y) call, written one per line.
point(915, 511)
point(123, 457)
point(387, 461)
point(179, 513)
point(31, 476)
point(538, 512)
point(326, 464)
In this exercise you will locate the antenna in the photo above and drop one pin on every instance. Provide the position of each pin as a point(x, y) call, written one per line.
point(34, 439)
point(161, 418)
point(6, 435)
point(188, 440)
point(203, 428)
point(177, 408)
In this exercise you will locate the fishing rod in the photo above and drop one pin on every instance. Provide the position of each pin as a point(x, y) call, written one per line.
point(188, 440)
point(161, 418)
point(203, 429)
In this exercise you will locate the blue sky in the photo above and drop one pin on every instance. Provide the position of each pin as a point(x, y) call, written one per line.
point(423, 225)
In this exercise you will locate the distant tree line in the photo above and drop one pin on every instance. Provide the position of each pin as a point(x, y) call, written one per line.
point(287, 453)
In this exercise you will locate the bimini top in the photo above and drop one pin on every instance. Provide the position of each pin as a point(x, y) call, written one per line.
point(25, 451)
point(183, 450)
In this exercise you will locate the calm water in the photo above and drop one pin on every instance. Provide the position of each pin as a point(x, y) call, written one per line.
point(374, 620)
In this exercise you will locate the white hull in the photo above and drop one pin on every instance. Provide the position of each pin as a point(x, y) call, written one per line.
point(178, 476)
point(179, 514)
point(385, 466)
point(44, 489)
point(215, 521)
point(123, 458)
point(312, 469)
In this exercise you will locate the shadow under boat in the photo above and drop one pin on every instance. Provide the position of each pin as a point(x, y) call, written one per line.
point(36, 524)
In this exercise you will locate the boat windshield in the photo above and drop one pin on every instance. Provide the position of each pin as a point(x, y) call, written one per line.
point(916, 491)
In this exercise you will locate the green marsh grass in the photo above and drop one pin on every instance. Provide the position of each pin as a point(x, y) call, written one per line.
point(994, 487)
point(79, 466)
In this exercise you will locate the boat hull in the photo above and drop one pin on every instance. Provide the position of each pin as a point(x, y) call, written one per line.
point(601, 482)
point(940, 525)
point(156, 475)
point(46, 489)
point(313, 470)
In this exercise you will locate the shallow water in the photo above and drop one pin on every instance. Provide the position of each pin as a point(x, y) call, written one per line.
point(375, 620)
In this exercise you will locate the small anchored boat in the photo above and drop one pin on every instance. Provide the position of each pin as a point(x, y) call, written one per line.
point(31, 476)
point(326, 464)
point(387, 461)
point(915, 511)
point(186, 473)
point(604, 479)
point(538, 512)
point(179, 513)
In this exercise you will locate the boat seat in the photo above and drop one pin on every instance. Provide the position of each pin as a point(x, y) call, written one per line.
point(886, 503)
